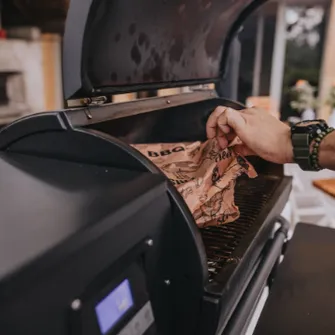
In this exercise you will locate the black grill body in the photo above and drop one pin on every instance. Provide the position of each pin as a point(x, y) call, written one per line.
point(226, 257)
point(199, 282)
point(233, 250)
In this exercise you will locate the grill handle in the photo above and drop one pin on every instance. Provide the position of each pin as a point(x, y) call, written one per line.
point(242, 315)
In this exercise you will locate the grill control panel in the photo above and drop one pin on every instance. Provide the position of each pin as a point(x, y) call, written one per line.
point(117, 302)
point(117, 306)
point(141, 323)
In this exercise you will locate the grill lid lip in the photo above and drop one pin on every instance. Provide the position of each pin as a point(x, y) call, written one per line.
point(124, 46)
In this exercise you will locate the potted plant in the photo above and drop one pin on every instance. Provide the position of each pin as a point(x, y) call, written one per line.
point(331, 103)
point(303, 99)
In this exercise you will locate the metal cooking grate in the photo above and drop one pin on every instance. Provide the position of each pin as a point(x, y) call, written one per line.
point(220, 242)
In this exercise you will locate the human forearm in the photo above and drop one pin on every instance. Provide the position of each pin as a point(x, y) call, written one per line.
point(265, 136)
point(327, 152)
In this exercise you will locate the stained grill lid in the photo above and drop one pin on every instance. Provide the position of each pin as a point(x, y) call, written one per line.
point(126, 45)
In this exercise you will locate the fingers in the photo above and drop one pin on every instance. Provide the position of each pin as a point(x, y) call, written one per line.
point(219, 118)
point(232, 119)
point(223, 124)
point(212, 121)
point(225, 129)
point(223, 133)
point(225, 118)
point(222, 139)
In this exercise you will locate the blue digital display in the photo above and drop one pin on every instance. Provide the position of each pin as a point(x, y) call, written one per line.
point(113, 307)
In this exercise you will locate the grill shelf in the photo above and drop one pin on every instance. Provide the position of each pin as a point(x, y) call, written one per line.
point(251, 195)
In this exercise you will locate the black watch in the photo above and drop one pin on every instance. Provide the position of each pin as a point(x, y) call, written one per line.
point(302, 134)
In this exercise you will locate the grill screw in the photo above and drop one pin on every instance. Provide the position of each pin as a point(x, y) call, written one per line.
point(149, 242)
point(168, 101)
point(76, 304)
point(167, 282)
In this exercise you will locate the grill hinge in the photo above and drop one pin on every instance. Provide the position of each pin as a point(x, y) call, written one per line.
point(95, 101)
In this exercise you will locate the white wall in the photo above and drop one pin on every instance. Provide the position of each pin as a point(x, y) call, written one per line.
point(27, 58)
point(278, 59)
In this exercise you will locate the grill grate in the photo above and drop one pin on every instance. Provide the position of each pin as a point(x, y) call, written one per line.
point(251, 195)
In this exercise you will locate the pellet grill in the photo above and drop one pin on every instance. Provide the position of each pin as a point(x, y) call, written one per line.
point(94, 239)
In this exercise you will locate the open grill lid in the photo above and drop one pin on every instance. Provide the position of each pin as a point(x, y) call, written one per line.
point(126, 45)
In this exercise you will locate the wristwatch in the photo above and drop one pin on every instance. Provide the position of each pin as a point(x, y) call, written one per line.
point(303, 134)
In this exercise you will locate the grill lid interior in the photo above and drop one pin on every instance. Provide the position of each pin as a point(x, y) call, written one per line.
point(126, 45)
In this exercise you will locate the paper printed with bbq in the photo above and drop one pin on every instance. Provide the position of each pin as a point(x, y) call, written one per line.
point(204, 174)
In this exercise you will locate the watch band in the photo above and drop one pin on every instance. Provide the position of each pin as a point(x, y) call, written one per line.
point(314, 154)
point(301, 150)
point(302, 135)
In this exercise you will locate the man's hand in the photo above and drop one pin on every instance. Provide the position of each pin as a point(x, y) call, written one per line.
point(261, 133)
